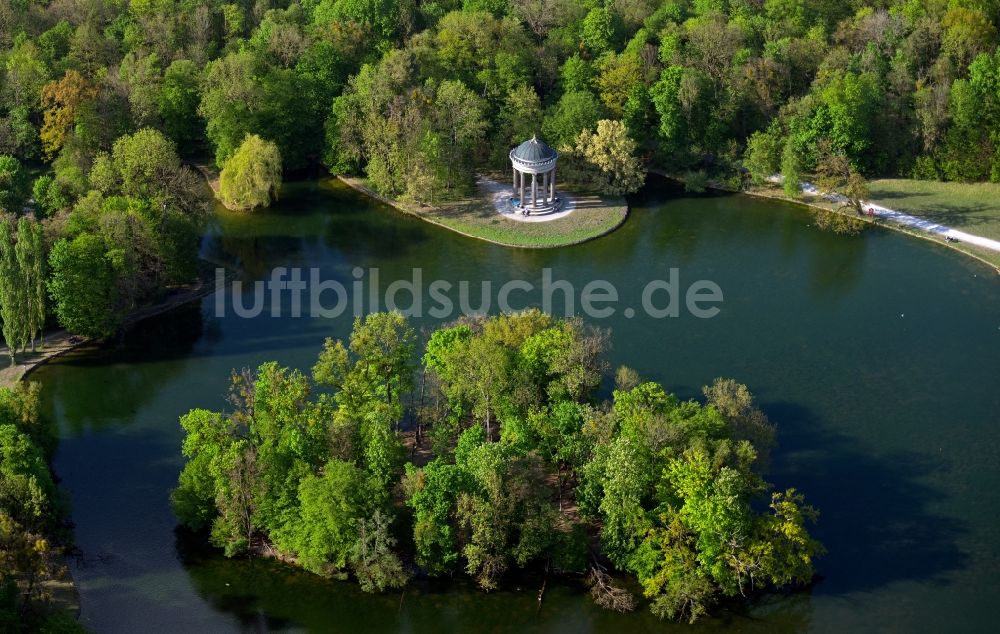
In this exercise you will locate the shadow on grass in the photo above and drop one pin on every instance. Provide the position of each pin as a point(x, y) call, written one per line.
point(881, 194)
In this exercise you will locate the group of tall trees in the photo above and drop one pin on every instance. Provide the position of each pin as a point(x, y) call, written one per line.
point(134, 231)
point(307, 464)
point(513, 463)
point(31, 510)
point(22, 282)
point(409, 92)
point(900, 87)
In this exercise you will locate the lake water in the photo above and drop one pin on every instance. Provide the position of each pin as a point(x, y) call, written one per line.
point(877, 356)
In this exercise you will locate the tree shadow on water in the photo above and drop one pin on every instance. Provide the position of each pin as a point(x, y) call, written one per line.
point(876, 516)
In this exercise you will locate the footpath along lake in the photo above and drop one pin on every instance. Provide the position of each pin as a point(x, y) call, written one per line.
point(877, 356)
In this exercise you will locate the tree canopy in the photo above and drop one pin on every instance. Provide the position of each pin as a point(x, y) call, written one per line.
point(251, 177)
point(517, 459)
point(32, 536)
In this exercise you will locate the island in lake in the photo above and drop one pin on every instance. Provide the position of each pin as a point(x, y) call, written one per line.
point(541, 315)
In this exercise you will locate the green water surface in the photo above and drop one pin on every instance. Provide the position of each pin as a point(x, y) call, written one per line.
point(877, 356)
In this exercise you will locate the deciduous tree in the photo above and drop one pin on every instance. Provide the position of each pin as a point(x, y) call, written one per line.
point(251, 177)
point(609, 153)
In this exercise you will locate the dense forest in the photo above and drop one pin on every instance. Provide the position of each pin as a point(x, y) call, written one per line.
point(32, 530)
point(102, 102)
point(106, 106)
point(513, 463)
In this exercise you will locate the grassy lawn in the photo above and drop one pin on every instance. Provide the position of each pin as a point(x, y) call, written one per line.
point(973, 208)
point(476, 217)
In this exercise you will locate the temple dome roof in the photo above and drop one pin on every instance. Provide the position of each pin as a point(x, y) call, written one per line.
point(533, 151)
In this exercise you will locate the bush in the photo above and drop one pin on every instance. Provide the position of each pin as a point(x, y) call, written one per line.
point(696, 182)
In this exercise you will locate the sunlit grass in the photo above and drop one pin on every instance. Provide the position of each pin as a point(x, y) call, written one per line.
point(476, 217)
point(970, 207)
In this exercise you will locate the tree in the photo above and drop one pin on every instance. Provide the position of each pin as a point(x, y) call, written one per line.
point(618, 75)
point(231, 98)
point(746, 421)
point(62, 100)
point(245, 469)
point(30, 252)
point(177, 103)
point(484, 380)
point(665, 95)
point(540, 15)
point(327, 533)
point(383, 343)
point(143, 77)
point(625, 481)
point(29, 508)
point(381, 17)
point(432, 493)
point(790, 174)
point(237, 494)
point(598, 30)
point(22, 291)
point(520, 116)
point(146, 164)
point(14, 185)
point(674, 486)
point(26, 73)
point(50, 195)
point(576, 74)
point(374, 563)
point(610, 156)
point(83, 288)
point(834, 173)
point(967, 32)
point(575, 112)
point(506, 513)
point(251, 177)
point(243, 95)
point(459, 116)
point(763, 154)
point(13, 291)
point(207, 438)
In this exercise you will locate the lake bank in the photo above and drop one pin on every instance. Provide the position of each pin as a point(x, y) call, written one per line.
point(813, 322)
point(475, 217)
point(774, 192)
point(985, 256)
point(60, 342)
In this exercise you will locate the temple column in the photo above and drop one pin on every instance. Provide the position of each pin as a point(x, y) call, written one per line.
point(545, 188)
point(534, 190)
point(521, 181)
point(514, 189)
point(552, 184)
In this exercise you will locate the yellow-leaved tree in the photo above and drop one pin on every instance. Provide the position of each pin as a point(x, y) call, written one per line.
point(251, 177)
point(608, 159)
point(61, 100)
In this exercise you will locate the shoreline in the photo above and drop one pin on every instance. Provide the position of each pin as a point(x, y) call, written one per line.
point(358, 185)
point(811, 204)
point(875, 222)
point(65, 593)
point(60, 342)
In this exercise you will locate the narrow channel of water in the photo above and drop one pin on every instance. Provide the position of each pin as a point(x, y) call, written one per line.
point(877, 356)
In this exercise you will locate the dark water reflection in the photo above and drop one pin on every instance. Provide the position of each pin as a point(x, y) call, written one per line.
point(877, 356)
